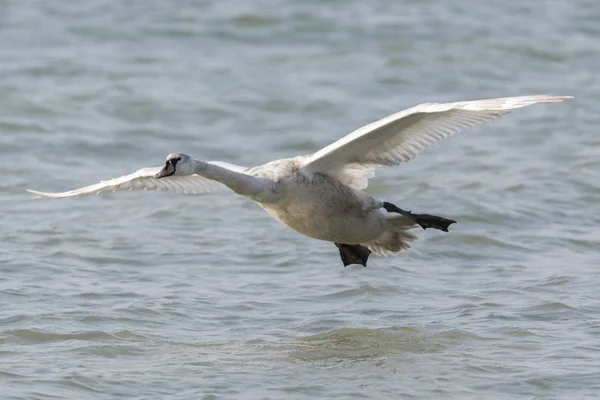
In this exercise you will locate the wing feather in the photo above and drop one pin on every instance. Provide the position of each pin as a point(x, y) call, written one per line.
point(401, 137)
point(144, 179)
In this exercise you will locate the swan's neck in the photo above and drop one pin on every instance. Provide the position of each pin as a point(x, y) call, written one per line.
point(258, 189)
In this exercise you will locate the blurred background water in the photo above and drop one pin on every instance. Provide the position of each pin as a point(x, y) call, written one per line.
point(152, 295)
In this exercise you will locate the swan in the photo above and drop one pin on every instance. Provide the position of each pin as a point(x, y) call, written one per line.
point(321, 195)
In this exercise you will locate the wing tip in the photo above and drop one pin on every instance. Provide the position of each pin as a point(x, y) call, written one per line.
point(37, 195)
point(553, 99)
point(534, 99)
point(503, 104)
point(524, 101)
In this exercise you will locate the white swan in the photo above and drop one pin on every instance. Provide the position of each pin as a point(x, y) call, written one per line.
point(320, 195)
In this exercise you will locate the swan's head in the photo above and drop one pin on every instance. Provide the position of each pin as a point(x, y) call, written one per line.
point(176, 164)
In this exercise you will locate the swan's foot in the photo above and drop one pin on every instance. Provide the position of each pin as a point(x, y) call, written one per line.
point(353, 254)
point(423, 220)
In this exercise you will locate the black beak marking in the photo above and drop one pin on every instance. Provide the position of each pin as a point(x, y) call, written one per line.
point(169, 168)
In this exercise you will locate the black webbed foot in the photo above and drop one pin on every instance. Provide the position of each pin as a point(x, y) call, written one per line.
point(353, 254)
point(423, 220)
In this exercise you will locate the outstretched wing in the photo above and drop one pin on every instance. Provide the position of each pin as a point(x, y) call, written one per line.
point(401, 137)
point(144, 179)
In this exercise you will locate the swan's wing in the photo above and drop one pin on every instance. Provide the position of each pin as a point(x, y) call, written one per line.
point(230, 166)
point(401, 137)
point(144, 179)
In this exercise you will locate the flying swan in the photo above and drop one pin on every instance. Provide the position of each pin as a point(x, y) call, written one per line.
point(321, 194)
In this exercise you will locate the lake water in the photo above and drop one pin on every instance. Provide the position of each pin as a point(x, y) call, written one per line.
point(156, 295)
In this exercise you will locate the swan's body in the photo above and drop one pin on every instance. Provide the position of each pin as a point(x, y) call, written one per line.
point(320, 195)
point(341, 214)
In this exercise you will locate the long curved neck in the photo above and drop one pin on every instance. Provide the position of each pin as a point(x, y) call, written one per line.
point(241, 183)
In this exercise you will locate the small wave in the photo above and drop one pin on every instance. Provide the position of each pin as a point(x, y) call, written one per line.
point(37, 336)
point(254, 21)
point(550, 283)
point(7, 374)
point(362, 343)
point(520, 332)
point(485, 240)
point(338, 347)
point(551, 305)
point(363, 289)
point(109, 351)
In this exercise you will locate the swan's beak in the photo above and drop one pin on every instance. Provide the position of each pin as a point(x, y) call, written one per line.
point(167, 170)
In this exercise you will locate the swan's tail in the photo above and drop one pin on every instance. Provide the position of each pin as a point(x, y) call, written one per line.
point(394, 239)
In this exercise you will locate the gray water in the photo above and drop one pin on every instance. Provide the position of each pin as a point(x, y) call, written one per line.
point(155, 295)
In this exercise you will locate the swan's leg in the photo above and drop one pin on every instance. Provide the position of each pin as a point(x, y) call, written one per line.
point(353, 254)
point(424, 220)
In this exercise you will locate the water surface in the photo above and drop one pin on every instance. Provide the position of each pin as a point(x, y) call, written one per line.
point(152, 295)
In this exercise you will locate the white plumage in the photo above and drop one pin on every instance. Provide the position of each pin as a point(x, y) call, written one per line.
point(144, 179)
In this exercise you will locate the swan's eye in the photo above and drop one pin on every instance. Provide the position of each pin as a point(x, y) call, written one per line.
point(174, 161)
